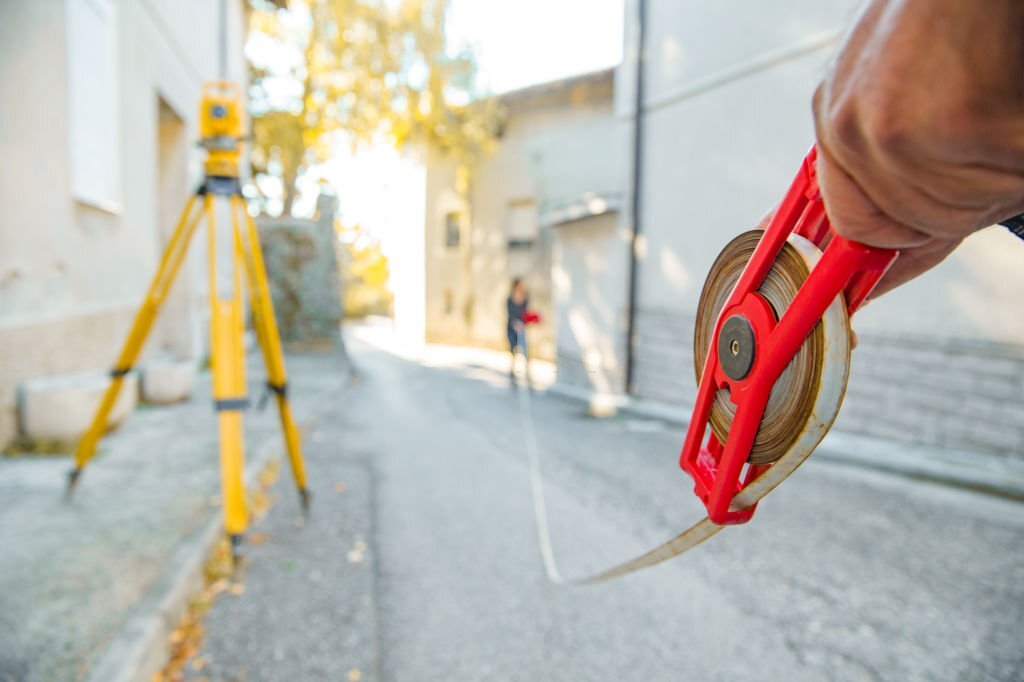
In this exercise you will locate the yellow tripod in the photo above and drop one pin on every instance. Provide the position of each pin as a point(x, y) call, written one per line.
point(220, 125)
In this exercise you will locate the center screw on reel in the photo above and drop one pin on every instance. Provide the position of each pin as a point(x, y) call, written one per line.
point(737, 347)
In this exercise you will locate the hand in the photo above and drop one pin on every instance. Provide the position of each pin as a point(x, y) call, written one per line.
point(920, 127)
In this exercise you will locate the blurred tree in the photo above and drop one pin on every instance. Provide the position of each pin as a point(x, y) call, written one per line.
point(365, 274)
point(366, 68)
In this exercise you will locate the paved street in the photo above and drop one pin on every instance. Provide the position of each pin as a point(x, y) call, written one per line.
point(74, 575)
point(845, 573)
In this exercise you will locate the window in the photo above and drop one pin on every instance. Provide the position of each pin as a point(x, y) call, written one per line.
point(522, 224)
point(94, 152)
point(452, 229)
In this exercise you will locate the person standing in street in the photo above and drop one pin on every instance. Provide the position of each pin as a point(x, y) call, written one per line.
point(516, 306)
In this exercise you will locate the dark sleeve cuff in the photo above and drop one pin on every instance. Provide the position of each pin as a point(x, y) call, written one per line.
point(1015, 225)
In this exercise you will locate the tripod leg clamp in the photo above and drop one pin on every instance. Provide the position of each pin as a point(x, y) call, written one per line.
point(279, 389)
point(230, 404)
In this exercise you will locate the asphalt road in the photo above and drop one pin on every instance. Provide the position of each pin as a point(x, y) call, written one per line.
point(844, 574)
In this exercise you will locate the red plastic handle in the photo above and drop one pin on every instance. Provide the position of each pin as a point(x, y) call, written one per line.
point(845, 267)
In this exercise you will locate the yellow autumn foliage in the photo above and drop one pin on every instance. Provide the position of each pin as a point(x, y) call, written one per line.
point(364, 274)
point(368, 68)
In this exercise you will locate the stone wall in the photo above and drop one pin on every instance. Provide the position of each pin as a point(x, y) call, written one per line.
point(663, 364)
point(302, 267)
point(963, 395)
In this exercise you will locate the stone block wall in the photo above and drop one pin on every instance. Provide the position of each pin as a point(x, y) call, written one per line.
point(58, 346)
point(663, 364)
point(963, 395)
point(302, 267)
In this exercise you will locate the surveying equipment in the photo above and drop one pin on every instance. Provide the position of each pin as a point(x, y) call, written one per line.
point(221, 117)
point(772, 359)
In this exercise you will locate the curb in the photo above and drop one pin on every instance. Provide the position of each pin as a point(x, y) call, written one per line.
point(976, 471)
point(140, 647)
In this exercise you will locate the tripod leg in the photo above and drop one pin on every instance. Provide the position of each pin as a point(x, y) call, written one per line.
point(270, 344)
point(228, 365)
point(170, 263)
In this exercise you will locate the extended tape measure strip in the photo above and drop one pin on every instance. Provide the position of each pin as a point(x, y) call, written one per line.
point(685, 541)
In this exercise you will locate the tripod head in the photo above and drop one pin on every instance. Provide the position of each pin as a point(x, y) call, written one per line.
point(220, 127)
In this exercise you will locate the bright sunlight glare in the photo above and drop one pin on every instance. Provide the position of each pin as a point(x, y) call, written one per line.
point(521, 43)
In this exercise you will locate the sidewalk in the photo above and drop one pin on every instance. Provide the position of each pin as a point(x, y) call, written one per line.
point(91, 587)
point(973, 470)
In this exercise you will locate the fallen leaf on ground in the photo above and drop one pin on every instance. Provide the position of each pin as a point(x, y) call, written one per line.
point(355, 555)
point(236, 589)
point(339, 487)
point(354, 675)
point(258, 538)
point(268, 476)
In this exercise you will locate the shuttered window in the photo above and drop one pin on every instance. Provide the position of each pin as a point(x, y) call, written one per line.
point(94, 144)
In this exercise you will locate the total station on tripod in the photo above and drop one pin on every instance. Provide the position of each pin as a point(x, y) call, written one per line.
point(221, 127)
point(235, 265)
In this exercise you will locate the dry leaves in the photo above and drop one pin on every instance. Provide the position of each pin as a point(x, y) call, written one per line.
point(270, 473)
point(339, 487)
point(357, 553)
point(257, 538)
point(354, 675)
point(222, 574)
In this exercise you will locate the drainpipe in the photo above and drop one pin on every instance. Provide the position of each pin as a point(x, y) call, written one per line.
point(222, 47)
point(638, 145)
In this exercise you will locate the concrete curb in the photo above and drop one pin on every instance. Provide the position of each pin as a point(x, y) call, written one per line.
point(140, 648)
point(976, 471)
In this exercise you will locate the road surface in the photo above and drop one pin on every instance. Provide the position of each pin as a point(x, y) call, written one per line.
point(844, 573)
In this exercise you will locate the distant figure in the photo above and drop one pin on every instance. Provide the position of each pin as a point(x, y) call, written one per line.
point(517, 304)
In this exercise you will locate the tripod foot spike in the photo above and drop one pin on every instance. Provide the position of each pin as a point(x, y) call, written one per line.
point(73, 477)
point(236, 543)
point(304, 498)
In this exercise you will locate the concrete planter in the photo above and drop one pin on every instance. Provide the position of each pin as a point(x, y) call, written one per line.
point(166, 382)
point(59, 409)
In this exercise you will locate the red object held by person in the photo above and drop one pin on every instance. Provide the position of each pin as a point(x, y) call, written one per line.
point(531, 317)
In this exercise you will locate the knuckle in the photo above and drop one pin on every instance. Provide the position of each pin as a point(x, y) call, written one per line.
point(889, 129)
point(845, 125)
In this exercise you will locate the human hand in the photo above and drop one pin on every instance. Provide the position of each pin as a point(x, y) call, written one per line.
point(920, 127)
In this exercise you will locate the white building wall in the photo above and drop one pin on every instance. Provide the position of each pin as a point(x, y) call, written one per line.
point(590, 280)
point(554, 153)
point(728, 120)
point(71, 273)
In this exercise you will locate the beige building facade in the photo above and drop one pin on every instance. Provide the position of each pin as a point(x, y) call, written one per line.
point(97, 132)
point(554, 167)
